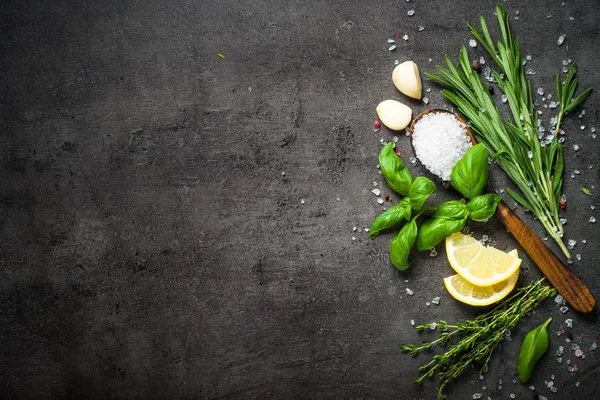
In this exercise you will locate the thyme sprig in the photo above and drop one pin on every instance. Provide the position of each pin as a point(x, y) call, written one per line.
point(478, 337)
point(534, 164)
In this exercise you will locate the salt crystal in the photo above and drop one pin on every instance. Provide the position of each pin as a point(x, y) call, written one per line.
point(578, 257)
point(571, 243)
point(530, 154)
point(540, 91)
point(301, 201)
point(576, 172)
point(571, 18)
point(512, 396)
point(392, 47)
point(433, 326)
point(577, 384)
point(353, 238)
point(481, 60)
point(530, 72)
point(282, 173)
point(390, 41)
point(582, 127)
point(435, 300)
point(503, 98)
point(548, 16)
point(405, 37)
point(575, 147)
point(578, 353)
point(409, 292)
point(553, 104)
point(561, 39)
point(592, 219)
point(425, 100)
point(477, 396)
point(366, 229)
point(412, 160)
point(411, 13)
point(428, 90)
point(396, 62)
point(565, 69)
point(590, 166)
point(592, 207)
point(564, 309)
point(569, 323)
point(433, 253)
point(421, 28)
point(554, 389)
point(427, 303)
point(412, 322)
point(531, 387)
point(592, 129)
point(594, 346)
point(472, 43)
point(379, 200)
point(376, 192)
point(565, 62)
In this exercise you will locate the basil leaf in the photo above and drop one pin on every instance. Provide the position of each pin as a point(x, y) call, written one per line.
point(420, 189)
point(391, 217)
point(401, 245)
point(434, 230)
point(453, 210)
point(394, 171)
point(534, 346)
point(470, 174)
point(483, 207)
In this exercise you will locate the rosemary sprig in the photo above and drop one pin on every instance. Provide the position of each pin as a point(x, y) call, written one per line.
point(478, 338)
point(534, 165)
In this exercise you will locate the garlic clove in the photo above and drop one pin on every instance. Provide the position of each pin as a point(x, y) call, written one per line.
point(407, 80)
point(394, 114)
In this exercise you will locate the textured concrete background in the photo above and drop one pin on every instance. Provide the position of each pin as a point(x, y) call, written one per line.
point(177, 225)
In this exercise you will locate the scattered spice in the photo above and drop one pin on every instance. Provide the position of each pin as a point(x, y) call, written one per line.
point(221, 56)
point(586, 191)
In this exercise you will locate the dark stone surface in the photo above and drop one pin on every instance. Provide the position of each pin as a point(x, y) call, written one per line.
point(151, 246)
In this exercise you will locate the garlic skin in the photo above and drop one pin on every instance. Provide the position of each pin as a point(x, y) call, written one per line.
point(407, 80)
point(394, 114)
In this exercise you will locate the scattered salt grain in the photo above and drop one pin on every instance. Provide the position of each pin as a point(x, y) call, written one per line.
point(582, 127)
point(503, 98)
point(540, 91)
point(405, 37)
point(561, 39)
point(391, 41)
point(569, 323)
point(435, 300)
point(433, 326)
point(409, 292)
point(376, 192)
point(353, 238)
point(440, 140)
point(426, 100)
point(411, 13)
point(282, 173)
point(354, 229)
point(563, 309)
point(472, 43)
point(421, 28)
point(433, 253)
point(571, 243)
point(530, 72)
point(477, 396)
point(380, 200)
point(512, 396)
point(301, 201)
point(427, 303)
point(578, 257)
point(594, 346)
point(531, 387)
point(412, 322)
point(578, 353)
point(575, 147)
point(593, 220)
point(392, 47)
point(481, 60)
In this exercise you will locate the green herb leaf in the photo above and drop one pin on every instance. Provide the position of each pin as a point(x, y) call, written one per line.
point(391, 217)
point(420, 189)
point(394, 171)
point(470, 174)
point(483, 207)
point(221, 55)
point(534, 346)
point(453, 210)
point(434, 230)
point(586, 191)
point(401, 245)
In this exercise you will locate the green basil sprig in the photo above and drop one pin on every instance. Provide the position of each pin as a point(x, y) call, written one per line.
point(394, 171)
point(401, 245)
point(483, 207)
point(434, 230)
point(470, 174)
point(420, 189)
point(391, 217)
point(533, 347)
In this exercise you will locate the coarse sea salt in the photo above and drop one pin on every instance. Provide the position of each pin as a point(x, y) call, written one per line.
point(440, 140)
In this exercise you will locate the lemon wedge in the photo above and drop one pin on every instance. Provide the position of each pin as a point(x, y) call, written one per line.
point(479, 265)
point(468, 293)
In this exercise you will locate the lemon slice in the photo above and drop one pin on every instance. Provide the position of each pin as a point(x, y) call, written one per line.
point(473, 295)
point(479, 265)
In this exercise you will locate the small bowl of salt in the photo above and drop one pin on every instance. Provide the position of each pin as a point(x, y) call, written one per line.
point(439, 139)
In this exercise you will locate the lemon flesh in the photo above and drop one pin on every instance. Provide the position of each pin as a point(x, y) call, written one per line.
point(479, 265)
point(464, 291)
